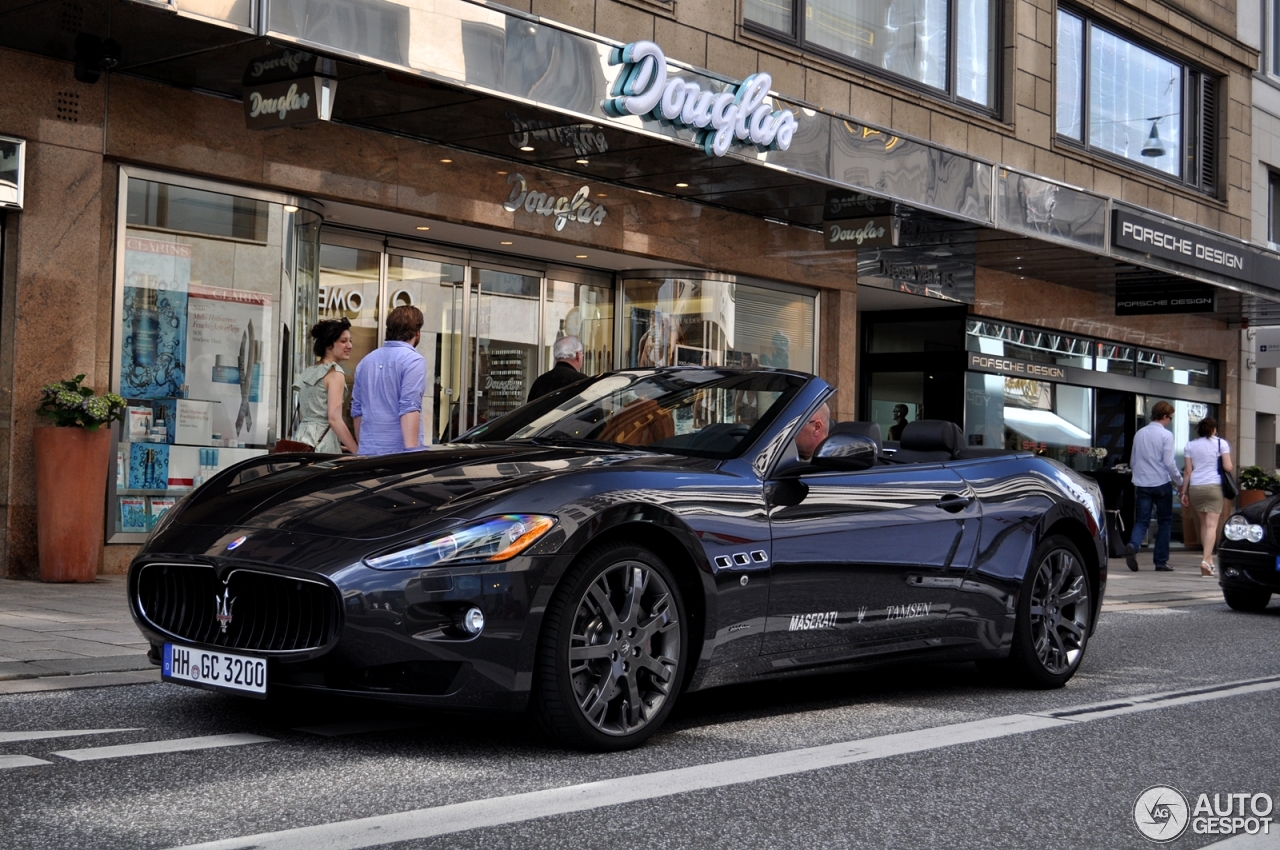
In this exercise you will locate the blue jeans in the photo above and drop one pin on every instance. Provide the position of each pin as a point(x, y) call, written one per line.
point(1160, 498)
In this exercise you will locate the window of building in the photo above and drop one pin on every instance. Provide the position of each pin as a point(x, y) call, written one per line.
point(1273, 206)
point(948, 46)
point(695, 321)
point(1120, 99)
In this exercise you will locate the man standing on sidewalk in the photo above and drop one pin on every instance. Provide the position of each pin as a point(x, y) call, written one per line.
point(1154, 477)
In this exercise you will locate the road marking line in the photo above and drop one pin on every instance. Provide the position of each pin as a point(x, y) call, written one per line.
point(175, 745)
point(499, 811)
point(7, 762)
point(10, 737)
point(357, 727)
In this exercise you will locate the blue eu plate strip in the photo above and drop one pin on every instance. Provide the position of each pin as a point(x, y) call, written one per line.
point(166, 667)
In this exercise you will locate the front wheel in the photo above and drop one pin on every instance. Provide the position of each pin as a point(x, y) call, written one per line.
point(1246, 600)
point(1053, 617)
point(612, 651)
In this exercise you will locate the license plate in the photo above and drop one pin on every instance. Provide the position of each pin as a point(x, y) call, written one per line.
point(219, 671)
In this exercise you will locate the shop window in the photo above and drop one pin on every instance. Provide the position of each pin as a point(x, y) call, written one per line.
point(1052, 420)
point(945, 46)
point(1120, 99)
point(669, 321)
point(203, 349)
point(1159, 366)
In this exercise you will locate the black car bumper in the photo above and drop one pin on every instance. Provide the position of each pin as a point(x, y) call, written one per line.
point(394, 635)
point(1252, 569)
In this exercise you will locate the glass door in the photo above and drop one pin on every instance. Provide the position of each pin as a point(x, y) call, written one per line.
point(504, 349)
point(350, 287)
point(437, 288)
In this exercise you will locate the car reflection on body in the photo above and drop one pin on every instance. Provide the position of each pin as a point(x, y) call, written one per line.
point(1249, 558)
point(595, 553)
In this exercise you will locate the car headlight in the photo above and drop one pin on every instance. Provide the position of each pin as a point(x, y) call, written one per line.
point(1239, 528)
point(487, 541)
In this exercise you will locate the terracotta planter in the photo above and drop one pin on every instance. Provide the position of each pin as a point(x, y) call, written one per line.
point(71, 498)
point(1248, 497)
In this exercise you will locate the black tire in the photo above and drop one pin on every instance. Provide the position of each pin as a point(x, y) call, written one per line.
point(1241, 599)
point(611, 656)
point(1054, 615)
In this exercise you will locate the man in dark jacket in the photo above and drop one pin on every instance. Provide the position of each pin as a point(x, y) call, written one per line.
point(568, 356)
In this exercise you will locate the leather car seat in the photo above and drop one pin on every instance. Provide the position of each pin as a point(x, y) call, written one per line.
point(929, 441)
point(861, 429)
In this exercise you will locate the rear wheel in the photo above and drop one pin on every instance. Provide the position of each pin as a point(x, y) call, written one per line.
point(1054, 613)
point(612, 652)
point(1246, 600)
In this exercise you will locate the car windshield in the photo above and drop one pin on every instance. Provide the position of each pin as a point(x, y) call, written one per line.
point(706, 413)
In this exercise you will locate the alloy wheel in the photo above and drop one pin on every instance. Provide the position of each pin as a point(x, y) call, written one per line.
point(624, 647)
point(1059, 611)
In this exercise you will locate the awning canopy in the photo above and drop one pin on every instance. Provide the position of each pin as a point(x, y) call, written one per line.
point(499, 82)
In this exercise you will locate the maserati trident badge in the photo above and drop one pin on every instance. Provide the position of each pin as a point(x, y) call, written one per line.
point(234, 543)
point(222, 609)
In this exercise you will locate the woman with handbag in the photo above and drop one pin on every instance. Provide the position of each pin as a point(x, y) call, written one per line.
point(322, 388)
point(1205, 483)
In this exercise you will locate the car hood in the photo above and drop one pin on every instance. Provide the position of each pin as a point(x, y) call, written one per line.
point(367, 498)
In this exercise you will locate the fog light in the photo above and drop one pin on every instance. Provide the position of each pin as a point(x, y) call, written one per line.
point(472, 621)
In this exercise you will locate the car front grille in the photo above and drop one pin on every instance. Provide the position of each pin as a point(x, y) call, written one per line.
point(253, 610)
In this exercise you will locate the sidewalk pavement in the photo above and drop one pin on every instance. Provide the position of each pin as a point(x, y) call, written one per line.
point(59, 636)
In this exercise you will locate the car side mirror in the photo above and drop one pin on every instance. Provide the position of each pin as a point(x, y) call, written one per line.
point(846, 452)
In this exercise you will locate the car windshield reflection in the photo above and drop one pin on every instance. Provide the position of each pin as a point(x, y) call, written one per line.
point(707, 413)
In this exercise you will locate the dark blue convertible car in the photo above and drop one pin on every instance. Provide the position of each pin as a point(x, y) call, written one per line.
point(595, 553)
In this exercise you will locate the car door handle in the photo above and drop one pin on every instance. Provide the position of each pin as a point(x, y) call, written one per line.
point(954, 502)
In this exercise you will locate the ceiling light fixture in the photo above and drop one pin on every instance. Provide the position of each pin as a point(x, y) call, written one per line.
point(290, 208)
point(503, 173)
point(527, 148)
point(422, 227)
point(580, 256)
point(601, 195)
point(682, 185)
point(504, 243)
point(582, 161)
point(446, 161)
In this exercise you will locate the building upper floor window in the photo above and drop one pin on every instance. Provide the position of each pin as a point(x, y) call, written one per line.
point(948, 46)
point(1273, 206)
point(1121, 99)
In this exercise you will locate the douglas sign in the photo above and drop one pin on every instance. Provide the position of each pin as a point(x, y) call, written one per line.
point(739, 112)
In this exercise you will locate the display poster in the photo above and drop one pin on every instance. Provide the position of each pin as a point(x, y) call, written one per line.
point(153, 353)
point(230, 330)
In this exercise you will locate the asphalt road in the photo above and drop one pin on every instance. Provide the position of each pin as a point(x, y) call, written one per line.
point(909, 756)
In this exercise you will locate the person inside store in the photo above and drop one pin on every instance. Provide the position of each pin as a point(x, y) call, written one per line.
point(322, 389)
point(1154, 474)
point(813, 433)
point(386, 402)
point(899, 421)
point(567, 352)
point(1202, 487)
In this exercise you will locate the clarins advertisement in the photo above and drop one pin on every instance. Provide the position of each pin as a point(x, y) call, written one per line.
point(230, 331)
point(157, 276)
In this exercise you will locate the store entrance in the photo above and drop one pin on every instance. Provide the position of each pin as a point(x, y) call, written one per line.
point(912, 367)
point(488, 326)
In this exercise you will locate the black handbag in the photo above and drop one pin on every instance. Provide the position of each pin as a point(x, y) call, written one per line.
point(1117, 540)
point(1229, 487)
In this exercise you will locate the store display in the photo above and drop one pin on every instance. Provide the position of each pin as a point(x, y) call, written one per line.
point(133, 513)
point(148, 466)
point(153, 346)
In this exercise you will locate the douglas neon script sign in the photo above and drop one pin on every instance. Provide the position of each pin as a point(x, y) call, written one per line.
point(738, 112)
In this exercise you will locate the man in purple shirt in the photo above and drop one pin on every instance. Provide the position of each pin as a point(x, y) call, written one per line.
point(386, 402)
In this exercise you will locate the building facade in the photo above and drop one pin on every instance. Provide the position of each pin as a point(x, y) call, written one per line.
point(1032, 218)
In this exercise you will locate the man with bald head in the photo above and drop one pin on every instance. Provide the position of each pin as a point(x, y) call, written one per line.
point(813, 433)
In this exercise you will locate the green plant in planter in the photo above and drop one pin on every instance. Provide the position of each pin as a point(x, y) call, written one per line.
point(71, 405)
point(1257, 478)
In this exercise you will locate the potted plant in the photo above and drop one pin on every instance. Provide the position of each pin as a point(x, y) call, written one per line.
point(71, 478)
point(1255, 485)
